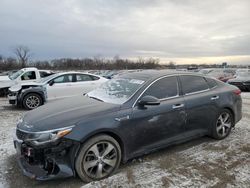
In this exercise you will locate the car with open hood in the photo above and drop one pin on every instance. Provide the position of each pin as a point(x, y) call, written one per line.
point(24, 75)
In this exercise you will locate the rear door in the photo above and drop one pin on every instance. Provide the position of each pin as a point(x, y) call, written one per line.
point(84, 83)
point(200, 102)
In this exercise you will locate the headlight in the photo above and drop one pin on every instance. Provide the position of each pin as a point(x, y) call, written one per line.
point(20, 120)
point(44, 137)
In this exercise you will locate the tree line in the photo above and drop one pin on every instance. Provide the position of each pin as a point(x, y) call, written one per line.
point(11, 63)
point(23, 54)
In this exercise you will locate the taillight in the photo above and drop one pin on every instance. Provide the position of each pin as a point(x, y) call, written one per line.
point(237, 92)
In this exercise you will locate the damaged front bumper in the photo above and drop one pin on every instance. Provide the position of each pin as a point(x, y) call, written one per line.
point(47, 162)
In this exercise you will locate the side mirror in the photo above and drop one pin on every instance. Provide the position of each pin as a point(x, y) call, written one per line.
point(149, 100)
point(51, 83)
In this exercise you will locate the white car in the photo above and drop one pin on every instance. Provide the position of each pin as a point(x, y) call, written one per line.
point(57, 86)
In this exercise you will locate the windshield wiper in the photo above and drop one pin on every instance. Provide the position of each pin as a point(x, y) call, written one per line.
point(96, 98)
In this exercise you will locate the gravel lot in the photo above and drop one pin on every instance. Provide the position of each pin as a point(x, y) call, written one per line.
point(202, 162)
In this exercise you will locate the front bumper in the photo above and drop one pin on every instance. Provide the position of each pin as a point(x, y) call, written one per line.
point(48, 163)
point(12, 97)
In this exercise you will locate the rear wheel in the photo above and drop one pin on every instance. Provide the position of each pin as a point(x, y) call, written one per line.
point(223, 124)
point(98, 158)
point(32, 101)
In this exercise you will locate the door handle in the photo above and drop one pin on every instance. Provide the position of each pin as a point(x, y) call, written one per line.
point(215, 97)
point(175, 106)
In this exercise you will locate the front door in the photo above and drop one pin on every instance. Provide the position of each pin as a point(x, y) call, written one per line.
point(154, 126)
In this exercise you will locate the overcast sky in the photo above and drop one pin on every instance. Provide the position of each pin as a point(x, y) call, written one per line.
point(199, 31)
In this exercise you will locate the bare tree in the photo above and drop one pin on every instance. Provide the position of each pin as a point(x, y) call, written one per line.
point(23, 54)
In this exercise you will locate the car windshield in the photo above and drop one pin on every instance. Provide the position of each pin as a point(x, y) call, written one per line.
point(116, 91)
point(16, 74)
point(46, 79)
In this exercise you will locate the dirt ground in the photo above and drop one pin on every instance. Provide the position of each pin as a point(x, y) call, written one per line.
point(202, 162)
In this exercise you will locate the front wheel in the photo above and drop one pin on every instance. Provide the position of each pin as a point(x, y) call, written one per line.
point(32, 101)
point(223, 125)
point(98, 158)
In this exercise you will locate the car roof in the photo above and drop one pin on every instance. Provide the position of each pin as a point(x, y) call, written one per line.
point(154, 74)
point(75, 72)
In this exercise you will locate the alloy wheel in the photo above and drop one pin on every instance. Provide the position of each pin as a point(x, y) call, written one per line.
point(223, 124)
point(100, 160)
point(32, 102)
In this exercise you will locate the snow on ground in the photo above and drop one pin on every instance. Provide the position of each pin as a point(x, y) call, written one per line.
point(202, 162)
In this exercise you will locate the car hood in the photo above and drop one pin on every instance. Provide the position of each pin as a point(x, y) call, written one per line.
point(6, 83)
point(4, 78)
point(19, 86)
point(65, 112)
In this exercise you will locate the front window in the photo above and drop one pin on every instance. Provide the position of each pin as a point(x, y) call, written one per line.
point(116, 91)
point(31, 75)
point(163, 88)
point(64, 78)
point(16, 74)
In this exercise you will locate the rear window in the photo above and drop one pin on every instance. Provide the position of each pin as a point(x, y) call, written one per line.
point(191, 84)
point(83, 78)
point(94, 77)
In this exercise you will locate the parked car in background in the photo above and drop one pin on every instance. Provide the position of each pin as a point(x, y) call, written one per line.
point(23, 75)
point(205, 71)
point(222, 74)
point(241, 71)
point(126, 117)
point(33, 94)
point(242, 80)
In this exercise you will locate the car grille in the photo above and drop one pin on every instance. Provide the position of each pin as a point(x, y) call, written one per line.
point(21, 135)
point(10, 93)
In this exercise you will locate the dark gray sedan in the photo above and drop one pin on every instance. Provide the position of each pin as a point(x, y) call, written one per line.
point(126, 117)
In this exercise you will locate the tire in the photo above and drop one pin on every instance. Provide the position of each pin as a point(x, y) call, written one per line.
point(223, 125)
point(32, 101)
point(98, 158)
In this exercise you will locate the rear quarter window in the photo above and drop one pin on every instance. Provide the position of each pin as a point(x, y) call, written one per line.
point(211, 82)
point(94, 77)
point(191, 84)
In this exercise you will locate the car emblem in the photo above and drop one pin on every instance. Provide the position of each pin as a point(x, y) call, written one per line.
point(28, 126)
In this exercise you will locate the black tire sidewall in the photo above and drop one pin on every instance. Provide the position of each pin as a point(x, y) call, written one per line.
point(27, 96)
point(89, 143)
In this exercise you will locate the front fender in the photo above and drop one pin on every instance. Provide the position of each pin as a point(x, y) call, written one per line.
point(107, 124)
point(37, 90)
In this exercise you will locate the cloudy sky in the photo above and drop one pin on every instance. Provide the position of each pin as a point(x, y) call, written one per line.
point(199, 31)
